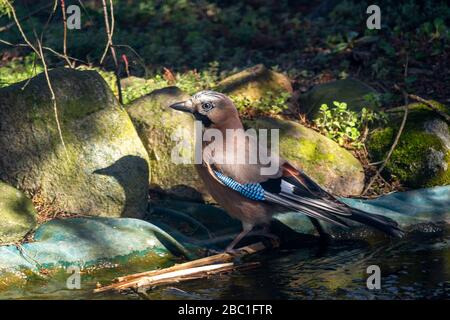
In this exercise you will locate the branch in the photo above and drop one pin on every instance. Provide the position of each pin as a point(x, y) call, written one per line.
point(53, 97)
point(184, 271)
point(431, 106)
point(397, 138)
point(13, 11)
point(56, 53)
point(110, 46)
point(391, 150)
point(12, 24)
point(63, 9)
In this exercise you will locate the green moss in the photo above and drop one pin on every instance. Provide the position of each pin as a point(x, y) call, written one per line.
point(408, 162)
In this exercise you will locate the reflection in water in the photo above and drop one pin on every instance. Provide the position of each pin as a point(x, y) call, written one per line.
point(411, 269)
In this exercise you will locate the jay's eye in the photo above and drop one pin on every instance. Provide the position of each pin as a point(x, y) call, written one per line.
point(207, 106)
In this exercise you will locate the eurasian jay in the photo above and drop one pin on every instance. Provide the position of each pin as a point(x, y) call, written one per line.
point(252, 196)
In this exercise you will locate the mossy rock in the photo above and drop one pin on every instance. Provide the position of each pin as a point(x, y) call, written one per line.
point(17, 214)
point(350, 91)
point(253, 83)
point(103, 168)
point(157, 125)
point(422, 155)
point(325, 161)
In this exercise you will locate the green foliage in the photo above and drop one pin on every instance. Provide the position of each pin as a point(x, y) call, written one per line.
point(271, 103)
point(343, 125)
point(4, 8)
point(19, 69)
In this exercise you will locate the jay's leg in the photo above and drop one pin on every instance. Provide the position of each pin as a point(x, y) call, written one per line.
point(322, 233)
point(246, 230)
point(265, 232)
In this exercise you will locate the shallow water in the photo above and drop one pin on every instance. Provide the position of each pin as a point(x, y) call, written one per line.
point(415, 268)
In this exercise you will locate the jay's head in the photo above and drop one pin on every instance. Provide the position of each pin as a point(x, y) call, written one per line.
point(210, 107)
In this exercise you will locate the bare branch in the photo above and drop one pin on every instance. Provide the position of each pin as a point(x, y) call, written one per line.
point(110, 45)
point(431, 106)
point(63, 10)
point(22, 33)
point(397, 137)
point(56, 53)
point(53, 97)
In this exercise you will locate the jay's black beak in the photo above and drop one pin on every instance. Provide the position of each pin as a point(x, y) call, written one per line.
point(184, 106)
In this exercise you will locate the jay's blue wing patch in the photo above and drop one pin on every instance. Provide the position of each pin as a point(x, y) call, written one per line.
point(252, 191)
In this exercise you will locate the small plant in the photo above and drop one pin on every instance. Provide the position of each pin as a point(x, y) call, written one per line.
point(343, 125)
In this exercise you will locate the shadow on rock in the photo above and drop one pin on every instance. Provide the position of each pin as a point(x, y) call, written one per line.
point(131, 172)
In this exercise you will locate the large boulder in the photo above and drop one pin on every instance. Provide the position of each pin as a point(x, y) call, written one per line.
point(17, 214)
point(162, 131)
point(422, 155)
point(351, 91)
point(321, 158)
point(102, 167)
point(253, 83)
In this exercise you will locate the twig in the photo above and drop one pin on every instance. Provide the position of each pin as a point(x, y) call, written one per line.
point(397, 137)
point(53, 97)
point(22, 33)
point(431, 106)
point(63, 10)
point(391, 150)
point(110, 46)
point(40, 54)
point(56, 53)
point(133, 280)
point(12, 24)
point(49, 19)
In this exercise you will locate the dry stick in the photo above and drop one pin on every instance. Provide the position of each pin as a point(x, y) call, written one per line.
point(397, 138)
point(13, 11)
point(56, 53)
point(12, 24)
point(49, 19)
point(190, 274)
point(41, 56)
point(131, 280)
point(110, 46)
point(53, 97)
point(431, 106)
point(63, 9)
